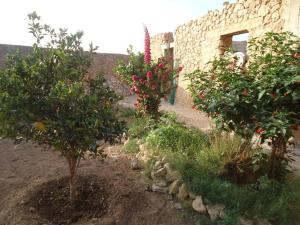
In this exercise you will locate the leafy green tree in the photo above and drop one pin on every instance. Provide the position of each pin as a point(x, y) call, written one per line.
point(262, 99)
point(46, 98)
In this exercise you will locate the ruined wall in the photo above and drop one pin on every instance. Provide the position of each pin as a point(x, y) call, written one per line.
point(102, 62)
point(199, 40)
point(159, 43)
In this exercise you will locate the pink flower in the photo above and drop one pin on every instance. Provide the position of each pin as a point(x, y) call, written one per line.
point(180, 69)
point(135, 78)
point(147, 53)
point(161, 65)
point(149, 75)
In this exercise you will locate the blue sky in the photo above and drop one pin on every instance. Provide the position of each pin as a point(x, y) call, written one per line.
point(110, 24)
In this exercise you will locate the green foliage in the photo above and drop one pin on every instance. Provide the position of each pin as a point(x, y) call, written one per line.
point(127, 113)
point(140, 127)
point(131, 146)
point(44, 96)
point(177, 138)
point(263, 98)
point(135, 65)
point(282, 201)
point(202, 160)
point(149, 81)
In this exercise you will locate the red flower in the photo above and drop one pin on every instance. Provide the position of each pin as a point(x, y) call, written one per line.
point(135, 78)
point(179, 69)
point(201, 95)
point(149, 75)
point(245, 92)
point(147, 56)
point(161, 66)
point(273, 95)
point(259, 131)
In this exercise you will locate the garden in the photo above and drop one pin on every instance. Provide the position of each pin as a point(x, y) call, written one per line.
point(72, 155)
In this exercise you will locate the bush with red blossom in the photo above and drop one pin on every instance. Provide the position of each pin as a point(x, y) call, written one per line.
point(150, 81)
point(261, 99)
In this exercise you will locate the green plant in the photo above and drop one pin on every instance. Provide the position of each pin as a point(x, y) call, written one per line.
point(173, 137)
point(131, 146)
point(262, 99)
point(281, 200)
point(45, 98)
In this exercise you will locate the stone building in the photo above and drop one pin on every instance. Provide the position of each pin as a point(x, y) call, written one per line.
point(194, 43)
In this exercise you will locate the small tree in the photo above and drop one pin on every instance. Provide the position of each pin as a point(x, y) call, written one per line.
point(44, 98)
point(150, 81)
point(263, 98)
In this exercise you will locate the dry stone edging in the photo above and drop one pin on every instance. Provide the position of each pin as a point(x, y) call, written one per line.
point(166, 180)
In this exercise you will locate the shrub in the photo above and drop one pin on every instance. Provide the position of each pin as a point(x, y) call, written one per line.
point(131, 146)
point(178, 139)
point(262, 99)
point(44, 98)
point(150, 81)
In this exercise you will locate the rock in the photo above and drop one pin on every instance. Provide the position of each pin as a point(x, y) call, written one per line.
point(32, 209)
point(143, 155)
point(174, 187)
point(158, 165)
point(159, 189)
point(222, 215)
point(143, 147)
point(262, 222)
point(135, 164)
point(164, 159)
point(158, 173)
point(214, 211)
point(183, 193)
point(173, 176)
point(126, 142)
point(22, 202)
point(192, 195)
point(168, 167)
point(161, 182)
point(198, 205)
point(244, 221)
point(178, 206)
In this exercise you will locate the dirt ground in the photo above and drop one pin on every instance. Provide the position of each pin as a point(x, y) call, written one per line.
point(25, 168)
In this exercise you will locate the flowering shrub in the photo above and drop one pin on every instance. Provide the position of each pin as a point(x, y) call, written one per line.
point(150, 81)
point(262, 99)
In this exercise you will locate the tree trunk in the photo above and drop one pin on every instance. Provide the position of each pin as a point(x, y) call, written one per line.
point(73, 163)
point(277, 156)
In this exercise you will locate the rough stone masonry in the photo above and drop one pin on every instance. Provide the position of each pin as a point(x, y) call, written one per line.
point(196, 42)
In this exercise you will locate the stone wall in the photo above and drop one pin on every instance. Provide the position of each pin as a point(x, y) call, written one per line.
point(102, 63)
point(199, 40)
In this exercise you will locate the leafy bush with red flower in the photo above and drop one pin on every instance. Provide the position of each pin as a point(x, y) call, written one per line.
point(150, 81)
point(263, 98)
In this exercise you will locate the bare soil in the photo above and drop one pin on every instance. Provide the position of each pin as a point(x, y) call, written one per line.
point(34, 191)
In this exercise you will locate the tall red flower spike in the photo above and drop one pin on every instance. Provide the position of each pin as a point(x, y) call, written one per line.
point(147, 56)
